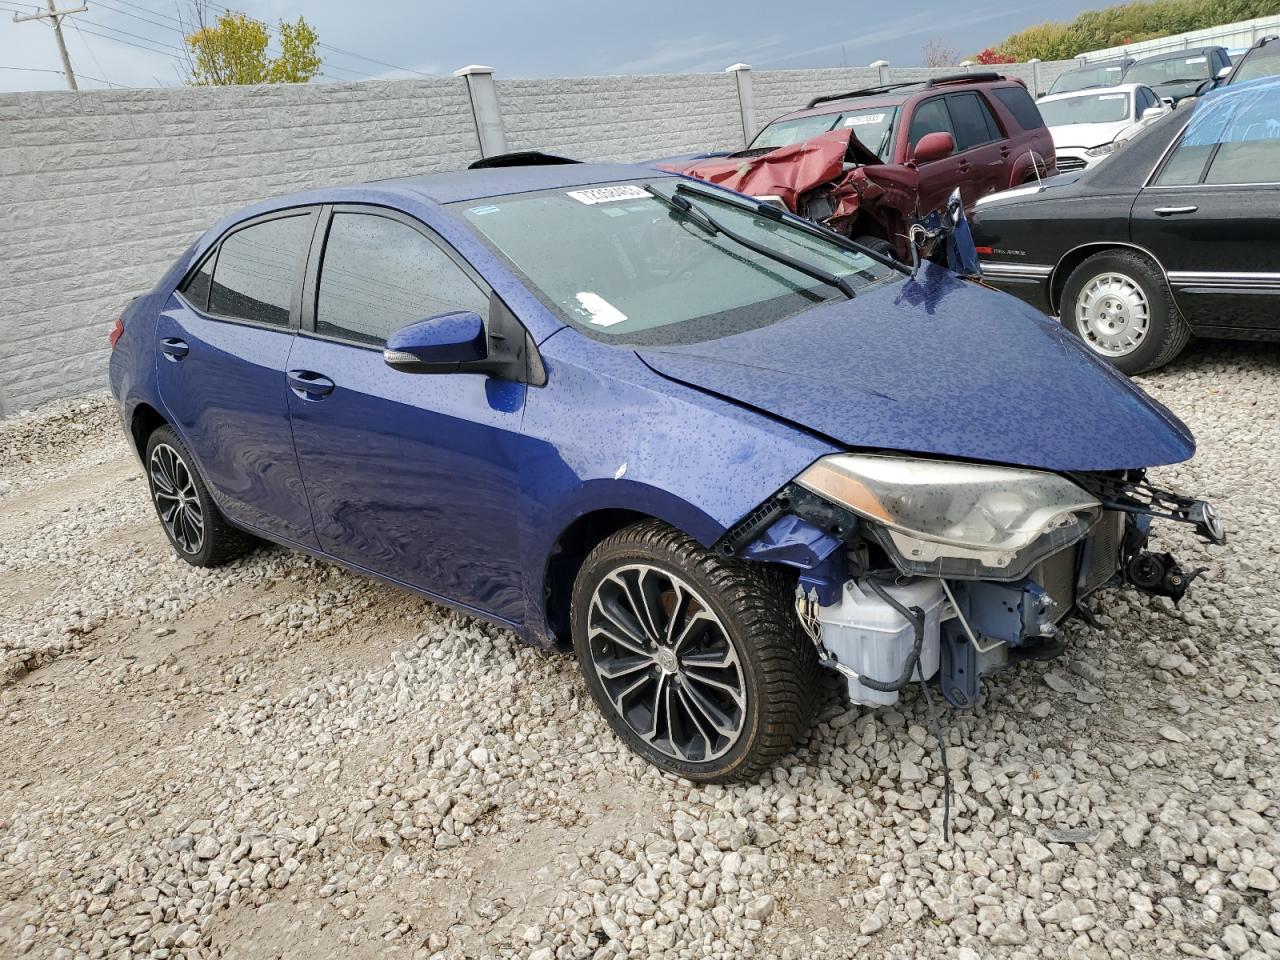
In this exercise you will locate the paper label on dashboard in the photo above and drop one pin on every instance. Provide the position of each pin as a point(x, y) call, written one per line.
point(864, 119)
point(601, 312)
point(609, 194)
point(1196, 59)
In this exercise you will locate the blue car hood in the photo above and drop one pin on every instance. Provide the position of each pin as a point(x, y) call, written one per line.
point(941, 366)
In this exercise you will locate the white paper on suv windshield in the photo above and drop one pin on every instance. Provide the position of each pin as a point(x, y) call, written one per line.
point(650, 268)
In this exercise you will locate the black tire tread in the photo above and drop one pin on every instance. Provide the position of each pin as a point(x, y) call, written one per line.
point(759, 595)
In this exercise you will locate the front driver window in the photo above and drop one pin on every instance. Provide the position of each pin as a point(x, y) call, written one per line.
point(379, 275)
point(930, 117)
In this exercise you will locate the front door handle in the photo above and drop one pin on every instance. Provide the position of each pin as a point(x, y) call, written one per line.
point(174, 349)
point(309, 385)
point(1173, 211)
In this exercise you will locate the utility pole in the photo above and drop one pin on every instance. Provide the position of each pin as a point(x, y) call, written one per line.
point(55, 18)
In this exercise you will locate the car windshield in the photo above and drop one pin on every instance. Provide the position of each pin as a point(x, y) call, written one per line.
point(1256, 67)
point(873, 127)
point(1087, 108)
point(620, 264)
point(1085, 78)
point(1169, 70)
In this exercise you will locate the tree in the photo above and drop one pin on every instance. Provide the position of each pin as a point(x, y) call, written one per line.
point(233, 50)
point(938, 53)
point(989, 56)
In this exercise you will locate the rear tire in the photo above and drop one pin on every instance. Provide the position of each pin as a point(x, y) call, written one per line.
point(187, 513)
point(1119, 303)
point(878, 244)
point(696, 660)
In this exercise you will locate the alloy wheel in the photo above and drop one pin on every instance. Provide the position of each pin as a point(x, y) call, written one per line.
point(1112, 314)
point(667, 664)
point(177, 500)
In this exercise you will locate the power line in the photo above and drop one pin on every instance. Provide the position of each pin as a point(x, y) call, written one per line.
point(85, 43)
point(33, 70)
point(135, 36)
point(138, 46)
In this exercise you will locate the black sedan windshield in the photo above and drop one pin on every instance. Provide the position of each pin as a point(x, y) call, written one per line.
point(620, 263)
point(1169, 70)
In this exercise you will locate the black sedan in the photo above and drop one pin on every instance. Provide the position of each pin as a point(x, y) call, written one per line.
point(1177, 233)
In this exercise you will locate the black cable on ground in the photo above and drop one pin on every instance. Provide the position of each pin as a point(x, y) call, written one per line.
point(936, 728)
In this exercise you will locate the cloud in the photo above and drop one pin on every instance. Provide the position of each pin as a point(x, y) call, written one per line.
point(694, 54)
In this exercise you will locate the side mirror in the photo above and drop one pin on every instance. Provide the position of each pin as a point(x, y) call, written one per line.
point(1224, 73)
point(934, 146)
point(1204, 87)
point(1152, 113)
point(445, 343)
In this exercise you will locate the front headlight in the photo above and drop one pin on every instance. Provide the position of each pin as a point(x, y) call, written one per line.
point(938, 518)
point(1101, 151)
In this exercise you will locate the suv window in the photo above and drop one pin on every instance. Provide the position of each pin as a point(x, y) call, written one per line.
point(1260, 62)
point(258, 268)
point(1019, 103)
point(972, 120)
point(929, 117)
point(379, 275)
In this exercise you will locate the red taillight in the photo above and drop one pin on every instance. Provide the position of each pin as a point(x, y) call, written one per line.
point(117, 331)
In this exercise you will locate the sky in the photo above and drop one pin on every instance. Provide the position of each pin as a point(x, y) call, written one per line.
point(138, 43)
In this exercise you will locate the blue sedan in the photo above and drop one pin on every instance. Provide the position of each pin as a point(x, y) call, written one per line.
point(712, 447)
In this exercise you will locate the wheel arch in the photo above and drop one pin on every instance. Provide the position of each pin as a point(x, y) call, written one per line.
point(143, 421)
point(1068, 262)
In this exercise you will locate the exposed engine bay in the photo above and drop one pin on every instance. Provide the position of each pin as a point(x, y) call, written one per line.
point(987, 586)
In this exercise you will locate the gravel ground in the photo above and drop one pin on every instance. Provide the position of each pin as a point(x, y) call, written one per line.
point(281, 759)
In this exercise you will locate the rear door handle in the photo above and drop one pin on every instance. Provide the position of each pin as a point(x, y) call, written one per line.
point(174, 349)
point(1173, 211)
point(309, 385)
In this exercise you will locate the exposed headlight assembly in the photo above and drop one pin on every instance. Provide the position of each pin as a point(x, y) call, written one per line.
point(938, 518)
point(1101, 151)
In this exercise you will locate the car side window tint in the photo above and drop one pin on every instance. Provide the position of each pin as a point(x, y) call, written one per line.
point(379, 275)
point(196, 289)
point(929, 117)
point(257, 270)
point(1019, 103)
point(972, 121)
point(1249, 149)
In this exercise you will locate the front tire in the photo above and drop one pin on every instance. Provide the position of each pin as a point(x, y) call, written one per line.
point(1120, 305)
point(695, 660)
point(188, 515)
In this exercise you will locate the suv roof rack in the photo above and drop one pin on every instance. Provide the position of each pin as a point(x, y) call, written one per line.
point(1263, 41)
point(985, 77)
point(520, 158)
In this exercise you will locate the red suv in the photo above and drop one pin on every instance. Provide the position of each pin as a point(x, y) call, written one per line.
point(889, 155)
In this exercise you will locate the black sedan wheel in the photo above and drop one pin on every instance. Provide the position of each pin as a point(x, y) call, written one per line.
point(695, 660)
point(1119, 304)
point(187, 513)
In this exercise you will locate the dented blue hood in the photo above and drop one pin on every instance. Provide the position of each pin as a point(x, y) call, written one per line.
point(937, 365)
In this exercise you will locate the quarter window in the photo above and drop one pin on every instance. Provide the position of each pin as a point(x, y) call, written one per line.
point(196, 289)
point(258, 269)
point(1019, 103)
point(379, 275)
point(972, 121)
point(929, 117)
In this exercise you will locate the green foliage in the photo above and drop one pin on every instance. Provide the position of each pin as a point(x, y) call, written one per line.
point(234, 51)
point(1129, 23)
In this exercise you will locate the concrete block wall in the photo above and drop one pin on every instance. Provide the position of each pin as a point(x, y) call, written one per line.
point(100, 190)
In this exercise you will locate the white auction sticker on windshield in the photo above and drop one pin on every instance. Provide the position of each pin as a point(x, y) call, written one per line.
point(1112, 96)
point(1196, 59)
point(609, 194)
point(864, 119)
point(601, 311)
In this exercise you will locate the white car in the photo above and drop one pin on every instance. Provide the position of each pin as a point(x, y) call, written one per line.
point(1088, 124)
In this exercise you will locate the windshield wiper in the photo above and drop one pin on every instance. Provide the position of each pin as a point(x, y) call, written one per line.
point(712, 226)
point(812, 227)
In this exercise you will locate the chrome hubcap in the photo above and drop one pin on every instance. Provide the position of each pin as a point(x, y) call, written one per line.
point(666, 663)
point(1112, 314)
point(177, 502)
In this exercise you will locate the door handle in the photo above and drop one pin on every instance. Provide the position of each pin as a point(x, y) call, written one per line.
point(174, 349)
point(309, 385)
point(1173, 211)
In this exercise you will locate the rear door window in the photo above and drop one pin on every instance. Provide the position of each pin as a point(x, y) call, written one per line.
point(972, 121)
point(930, 117)
point(1019, 103)
point(1249, 149)
point(258, 269)
point(379, 275)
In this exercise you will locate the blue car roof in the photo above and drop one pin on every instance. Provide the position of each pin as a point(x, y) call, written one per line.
point(496, 181)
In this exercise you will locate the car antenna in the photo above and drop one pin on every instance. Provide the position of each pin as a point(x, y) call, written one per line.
point(1036, 167)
